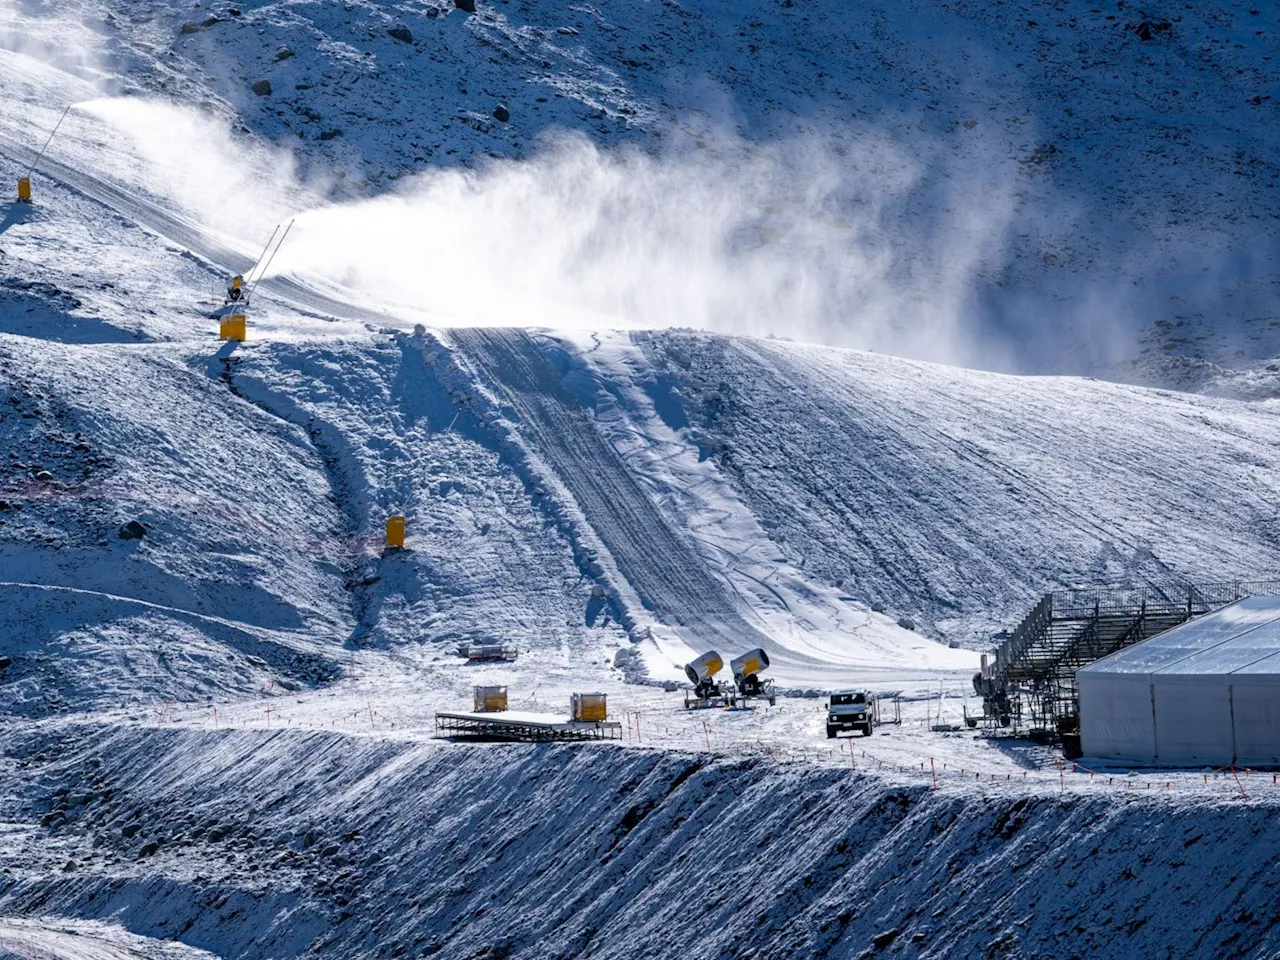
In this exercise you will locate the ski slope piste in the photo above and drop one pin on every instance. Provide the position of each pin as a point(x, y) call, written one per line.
point(218, 687)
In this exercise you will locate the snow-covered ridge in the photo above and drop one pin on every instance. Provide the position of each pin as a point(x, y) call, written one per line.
point(284, 844)
point(1013, 186)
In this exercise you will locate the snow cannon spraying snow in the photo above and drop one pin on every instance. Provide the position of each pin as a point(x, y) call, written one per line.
point(24, 182)
point(706, 691)
point(746, 675)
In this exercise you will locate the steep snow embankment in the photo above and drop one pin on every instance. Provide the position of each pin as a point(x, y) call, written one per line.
point(243, 553)
point(253, 844)
point(956, 496)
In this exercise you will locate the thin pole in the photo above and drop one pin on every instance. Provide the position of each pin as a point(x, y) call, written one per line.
point(268, 263)
point(264, 250)
point(40, 155)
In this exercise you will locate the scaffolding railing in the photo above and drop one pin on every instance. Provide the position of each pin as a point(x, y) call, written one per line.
point(1069, 628)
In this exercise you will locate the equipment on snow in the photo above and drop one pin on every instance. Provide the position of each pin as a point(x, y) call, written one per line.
point(852, 710)
point(746, 676)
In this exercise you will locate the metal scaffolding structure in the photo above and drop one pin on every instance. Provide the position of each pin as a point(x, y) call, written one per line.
point(479, 726)
point(1030, 687)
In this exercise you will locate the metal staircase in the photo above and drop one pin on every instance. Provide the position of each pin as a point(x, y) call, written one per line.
point(1032, 679)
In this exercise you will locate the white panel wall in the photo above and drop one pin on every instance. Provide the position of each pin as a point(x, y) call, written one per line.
point(1115, 717)
point(1256, 703)
point(1198, 720)
point(1193, 719)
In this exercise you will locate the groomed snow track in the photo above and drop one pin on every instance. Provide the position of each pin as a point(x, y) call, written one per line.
point(669, 578)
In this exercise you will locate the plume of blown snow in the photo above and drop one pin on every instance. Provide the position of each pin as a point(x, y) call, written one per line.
point(794, 239)
point(853, 239)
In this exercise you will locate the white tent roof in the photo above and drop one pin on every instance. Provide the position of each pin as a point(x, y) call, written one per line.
point(1241, 638)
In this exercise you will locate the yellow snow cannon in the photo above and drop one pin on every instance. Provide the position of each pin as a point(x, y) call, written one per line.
point(746, 676)
point(706, 691)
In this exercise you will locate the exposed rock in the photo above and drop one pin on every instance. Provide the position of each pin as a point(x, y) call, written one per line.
point(1150, 29)
point(208, 21)
point(882, 940)
point(283, 53)
point(189, 28)
point(331, 134)
point(401, 32)
point(262, 88)
point(132, 530)
point(501, 113)
point(906, 623)
point(6, 662)
point(469, 6)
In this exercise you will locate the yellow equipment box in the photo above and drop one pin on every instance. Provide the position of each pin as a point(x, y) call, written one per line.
point(589, 707)
point(490, 699)
point(232, 327)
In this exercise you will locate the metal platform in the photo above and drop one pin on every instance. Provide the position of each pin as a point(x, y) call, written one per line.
point(495, 726)
point(1031, 686)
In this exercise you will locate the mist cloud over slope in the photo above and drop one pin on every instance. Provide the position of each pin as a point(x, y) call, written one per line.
point(851, 239)
point(950, 208)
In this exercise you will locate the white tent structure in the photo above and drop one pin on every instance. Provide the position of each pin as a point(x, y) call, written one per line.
point(1204, 693)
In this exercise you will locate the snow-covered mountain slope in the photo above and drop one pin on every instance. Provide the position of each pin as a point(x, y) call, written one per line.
point(1020, 186)
point(594, 486)
point(1013, 186)
point(284, 844)
point(240, 570)
point(676, 490)
point(969, 493)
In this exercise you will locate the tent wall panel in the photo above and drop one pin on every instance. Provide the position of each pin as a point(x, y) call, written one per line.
point(1256, 707)
point(1115, 717)
point(1193, 719)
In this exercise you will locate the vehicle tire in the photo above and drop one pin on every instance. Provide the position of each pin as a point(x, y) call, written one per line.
point(866, 731)
point(831, 731)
